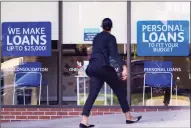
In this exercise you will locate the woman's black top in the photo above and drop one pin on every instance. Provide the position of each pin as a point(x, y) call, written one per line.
point(105, 46)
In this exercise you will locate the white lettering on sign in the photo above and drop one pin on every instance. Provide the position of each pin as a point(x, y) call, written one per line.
point(162, 33)
point(33, 30)
point(163, 47)
point(18, 40)
point(28, 36)
point(162, 69)
point(159, 28)
point(14, 31)
point(153, 37)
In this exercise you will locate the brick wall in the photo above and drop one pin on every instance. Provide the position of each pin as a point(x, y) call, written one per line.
point(25, 114)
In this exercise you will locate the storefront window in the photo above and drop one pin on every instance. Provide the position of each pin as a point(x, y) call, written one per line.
point(76, 83)
point(27, 89)
point(83, 23)
point(30, 80)
point(159, 94)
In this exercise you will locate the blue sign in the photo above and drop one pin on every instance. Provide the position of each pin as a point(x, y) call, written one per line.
point(158, 73)
point(26, 39)
point(90, 33)
point(158, 38)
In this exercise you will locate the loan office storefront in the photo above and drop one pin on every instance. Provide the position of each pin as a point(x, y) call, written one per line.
point(155, 46)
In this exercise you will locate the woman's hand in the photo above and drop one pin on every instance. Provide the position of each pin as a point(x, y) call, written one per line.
point(124, 73)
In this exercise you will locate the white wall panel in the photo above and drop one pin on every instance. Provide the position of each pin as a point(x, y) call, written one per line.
point(80, 15)
point(31, 11)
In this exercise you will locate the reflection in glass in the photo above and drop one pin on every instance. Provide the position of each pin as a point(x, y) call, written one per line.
point(26, 78)
point(161, 96)
point(181, 65)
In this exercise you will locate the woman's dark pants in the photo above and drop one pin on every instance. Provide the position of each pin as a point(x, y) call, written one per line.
point(106, 74)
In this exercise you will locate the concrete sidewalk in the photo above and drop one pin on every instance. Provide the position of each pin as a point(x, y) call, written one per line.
point(165, 119)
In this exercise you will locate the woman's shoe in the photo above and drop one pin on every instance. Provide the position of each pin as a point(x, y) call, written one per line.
point(83, 126)
point(90, 125)
point(130, 121)
point(86, 126)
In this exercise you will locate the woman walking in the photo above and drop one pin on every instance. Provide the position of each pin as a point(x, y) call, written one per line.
point(100, 71)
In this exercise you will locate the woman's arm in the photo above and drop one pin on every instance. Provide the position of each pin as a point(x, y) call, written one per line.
point(89, 51)
point(113, 51)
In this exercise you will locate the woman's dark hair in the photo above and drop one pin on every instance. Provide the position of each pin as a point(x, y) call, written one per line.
point(107, 24)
